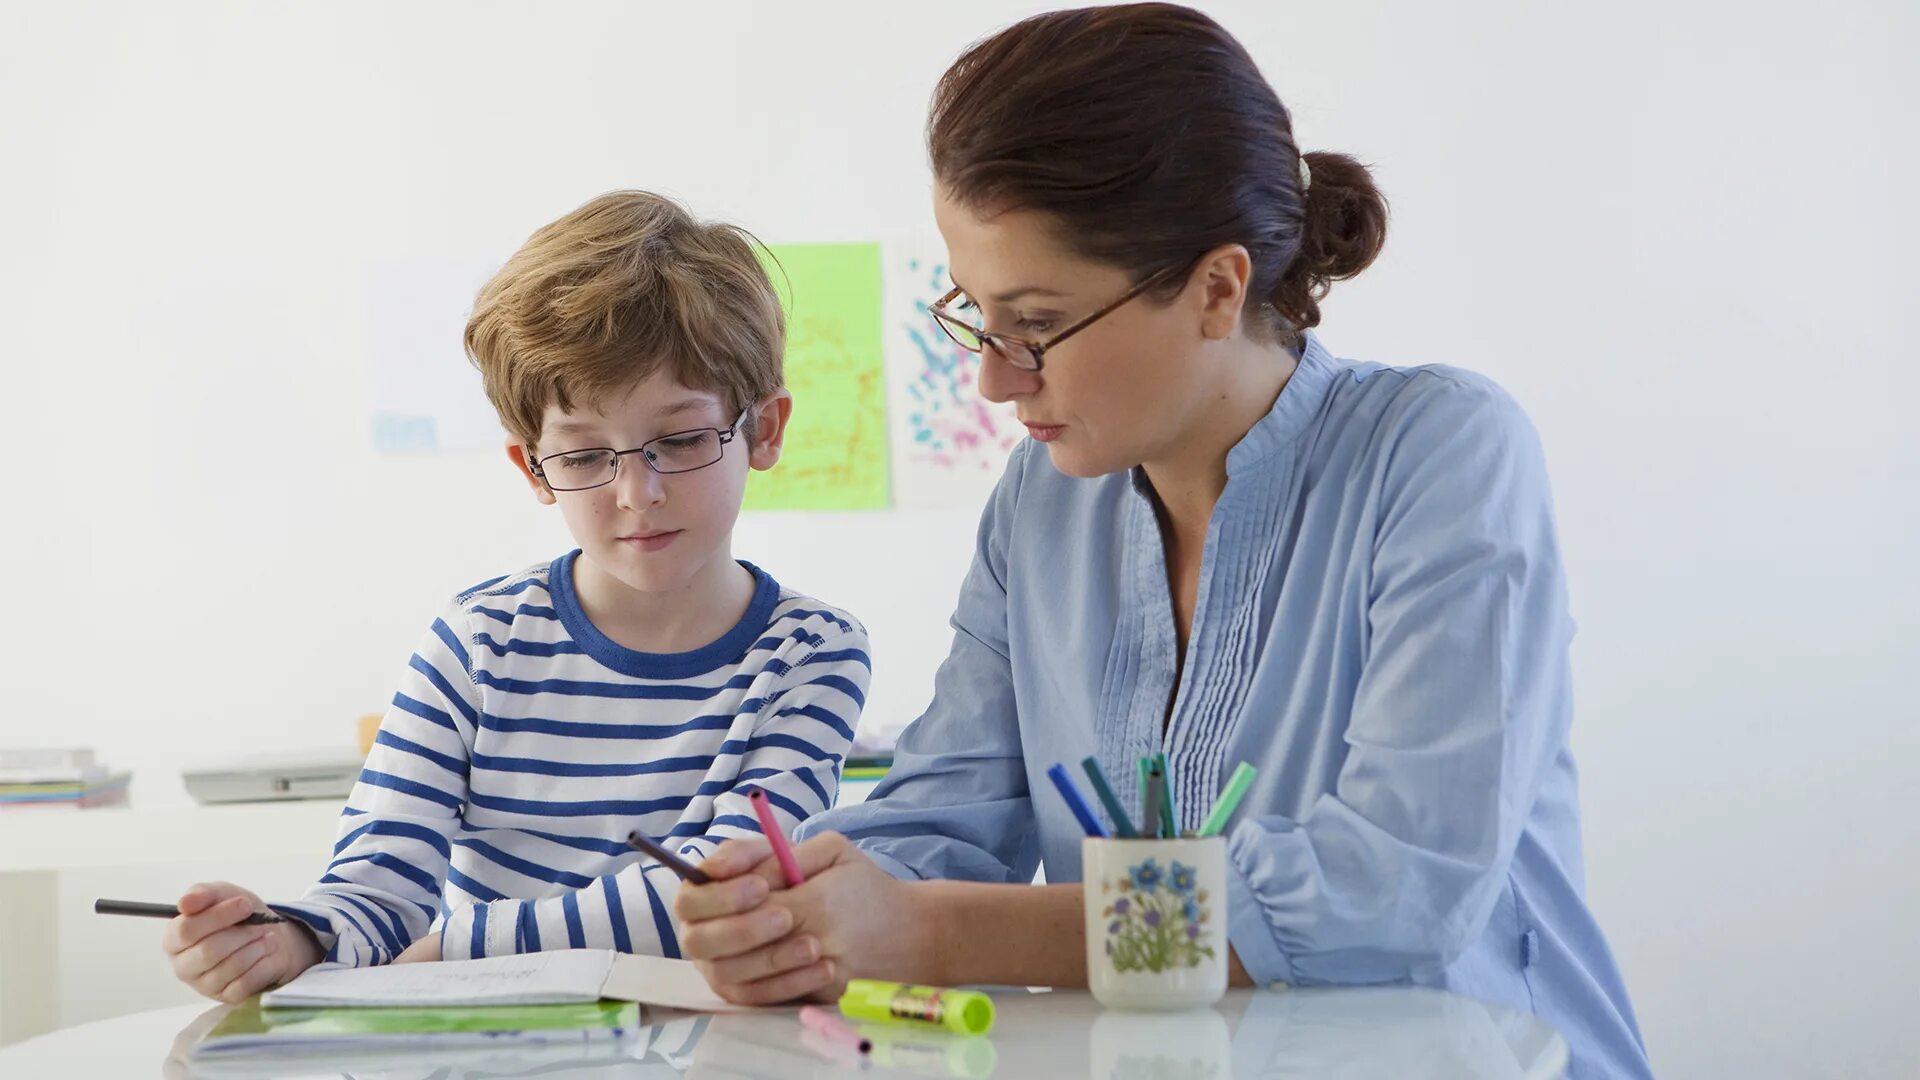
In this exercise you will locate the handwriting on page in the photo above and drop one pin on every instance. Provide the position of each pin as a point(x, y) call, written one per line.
point(531, 978)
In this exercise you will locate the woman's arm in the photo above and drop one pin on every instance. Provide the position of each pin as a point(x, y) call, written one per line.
point(759, 943)
point(1461, 709)
point(955, 804)
point(1041, 940)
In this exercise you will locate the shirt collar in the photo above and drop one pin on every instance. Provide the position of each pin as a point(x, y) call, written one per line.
point(1293, 412)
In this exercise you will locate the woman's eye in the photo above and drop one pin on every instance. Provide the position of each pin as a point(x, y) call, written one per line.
point(1036, 326)
point(967, 304)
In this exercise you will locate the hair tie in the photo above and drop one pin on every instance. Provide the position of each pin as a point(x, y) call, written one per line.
point(1306, 174)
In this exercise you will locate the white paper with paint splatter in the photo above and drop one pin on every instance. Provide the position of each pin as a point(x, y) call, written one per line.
point(426, 395)
point(949, 444)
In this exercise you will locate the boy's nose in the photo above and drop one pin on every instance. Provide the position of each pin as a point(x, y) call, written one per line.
point(637, 485)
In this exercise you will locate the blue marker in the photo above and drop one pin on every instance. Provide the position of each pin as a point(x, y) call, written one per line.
point(1075, 801)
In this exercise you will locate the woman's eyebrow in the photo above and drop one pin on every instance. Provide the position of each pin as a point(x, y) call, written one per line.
point(1011, 295)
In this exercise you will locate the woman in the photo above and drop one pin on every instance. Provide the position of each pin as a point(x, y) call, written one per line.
point(1221, 543)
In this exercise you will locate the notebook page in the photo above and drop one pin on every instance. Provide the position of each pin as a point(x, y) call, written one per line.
point(541, 978)
point(669, 984)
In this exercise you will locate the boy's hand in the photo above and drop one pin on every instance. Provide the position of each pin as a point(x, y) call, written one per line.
point(758, 942)
point(426, 949)
point(211, 950)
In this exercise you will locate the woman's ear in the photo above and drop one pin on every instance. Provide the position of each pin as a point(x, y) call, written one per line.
point(769, 420)
point(1222, 274)
point(521, 455)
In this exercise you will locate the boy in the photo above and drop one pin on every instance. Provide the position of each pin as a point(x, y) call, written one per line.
point(644, 681)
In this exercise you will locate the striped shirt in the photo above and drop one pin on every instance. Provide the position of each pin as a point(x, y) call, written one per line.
point(524, 745)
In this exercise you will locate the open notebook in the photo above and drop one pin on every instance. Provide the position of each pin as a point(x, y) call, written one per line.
point(541, 978)
point(387, 1037)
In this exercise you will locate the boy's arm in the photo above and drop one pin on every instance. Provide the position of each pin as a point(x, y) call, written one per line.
point(794, 755)
point(382, 889)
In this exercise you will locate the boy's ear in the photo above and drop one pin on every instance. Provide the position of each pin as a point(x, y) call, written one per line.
point(770, 418)
point(517, 451)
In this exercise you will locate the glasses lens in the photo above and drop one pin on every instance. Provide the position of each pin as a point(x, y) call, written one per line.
point(963, 335)
point(581, 469)
point(1016, 353)
point(685, 451)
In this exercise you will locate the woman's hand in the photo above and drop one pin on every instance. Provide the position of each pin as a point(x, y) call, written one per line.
point(213, 950)
point(758, 942)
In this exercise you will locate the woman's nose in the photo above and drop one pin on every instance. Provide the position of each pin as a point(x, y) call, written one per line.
point(1000, 381)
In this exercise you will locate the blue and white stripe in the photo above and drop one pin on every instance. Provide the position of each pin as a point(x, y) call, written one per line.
point(523, 745)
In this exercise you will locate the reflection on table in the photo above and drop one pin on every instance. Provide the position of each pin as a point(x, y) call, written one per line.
point(1060, 1035)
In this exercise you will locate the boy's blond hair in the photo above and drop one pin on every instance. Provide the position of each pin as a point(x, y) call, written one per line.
point(620, 288)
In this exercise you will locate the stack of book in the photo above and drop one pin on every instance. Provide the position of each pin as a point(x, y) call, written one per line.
point(571, 1011)
point(550, 1038)
point(58, 777)
point(871, 755)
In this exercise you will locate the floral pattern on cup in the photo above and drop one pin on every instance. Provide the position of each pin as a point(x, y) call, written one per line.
point(1156, 920)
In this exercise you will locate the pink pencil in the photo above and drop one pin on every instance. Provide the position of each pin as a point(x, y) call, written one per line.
point(764, 811)
point(834, 1028)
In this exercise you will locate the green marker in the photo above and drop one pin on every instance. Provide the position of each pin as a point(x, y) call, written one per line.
point(1122, 826)
point(1229, 800)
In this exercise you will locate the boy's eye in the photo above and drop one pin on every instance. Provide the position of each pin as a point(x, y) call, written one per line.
point(683, 442)
point(590, 459)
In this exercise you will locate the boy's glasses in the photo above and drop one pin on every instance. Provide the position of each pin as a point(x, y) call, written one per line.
point(598, 466)
point(1019, 352)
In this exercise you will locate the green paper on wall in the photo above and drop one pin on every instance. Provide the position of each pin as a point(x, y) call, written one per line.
point(835, 457)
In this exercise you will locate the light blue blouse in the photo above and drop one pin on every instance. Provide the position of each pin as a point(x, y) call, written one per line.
point(1381, 628)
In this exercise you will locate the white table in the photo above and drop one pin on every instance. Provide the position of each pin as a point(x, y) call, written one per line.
point(160, 828)
point(1350, 1033)
point(36, 846)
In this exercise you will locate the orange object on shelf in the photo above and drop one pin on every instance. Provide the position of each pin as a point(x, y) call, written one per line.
point(369, 727)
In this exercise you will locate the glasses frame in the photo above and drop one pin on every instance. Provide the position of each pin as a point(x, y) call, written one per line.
point(726, 434)
point(1017, 349)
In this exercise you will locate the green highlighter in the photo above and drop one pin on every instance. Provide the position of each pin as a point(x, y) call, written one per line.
point(1229, 800)
point(965, 1012)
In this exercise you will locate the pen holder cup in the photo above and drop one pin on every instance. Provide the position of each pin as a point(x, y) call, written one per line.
point(1156, 921)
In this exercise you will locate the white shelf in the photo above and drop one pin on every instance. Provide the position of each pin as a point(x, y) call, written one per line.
point(52, 839)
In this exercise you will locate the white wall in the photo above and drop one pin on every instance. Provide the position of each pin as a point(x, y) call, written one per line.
point(1675, 231)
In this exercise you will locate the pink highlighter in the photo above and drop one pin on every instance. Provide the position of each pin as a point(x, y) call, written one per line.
point(764, 811)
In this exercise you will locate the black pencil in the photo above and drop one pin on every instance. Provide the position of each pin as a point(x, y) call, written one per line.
point(667, 858)
point(168, 911)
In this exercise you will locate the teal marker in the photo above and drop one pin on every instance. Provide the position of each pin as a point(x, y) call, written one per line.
point(1152, 822)
point(1122, 826)
point(1169, 820)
